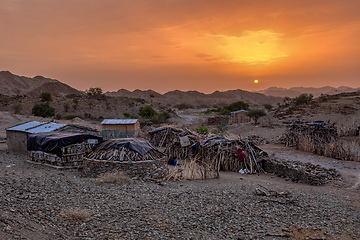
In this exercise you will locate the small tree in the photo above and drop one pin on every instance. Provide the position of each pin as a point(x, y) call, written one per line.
point(303, 99)
point(268, 106)
point(147, 112)
point(43, 110)
point(94, 91)
point(256, 114)
point(66, 107)
point(126, 114)
point(46, 97)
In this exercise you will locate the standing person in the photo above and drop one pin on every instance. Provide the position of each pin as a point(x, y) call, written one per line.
point(242, 155)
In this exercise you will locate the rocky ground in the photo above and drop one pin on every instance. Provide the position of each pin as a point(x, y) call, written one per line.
point(39, 202)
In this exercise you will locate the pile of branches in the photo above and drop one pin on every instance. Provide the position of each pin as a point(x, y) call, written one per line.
point(317, 133)
point(320, 138)
point(123, 155)
point(163, 136)
point(175, 150)
point(221, 153)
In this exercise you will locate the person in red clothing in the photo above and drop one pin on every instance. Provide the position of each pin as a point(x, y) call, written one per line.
point(242, 155)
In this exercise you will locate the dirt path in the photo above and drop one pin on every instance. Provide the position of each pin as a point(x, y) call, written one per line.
point(350, 171)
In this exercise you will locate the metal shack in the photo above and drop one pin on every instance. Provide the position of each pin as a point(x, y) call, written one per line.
point(120, 128)
point(16, 136)
point(239, 117)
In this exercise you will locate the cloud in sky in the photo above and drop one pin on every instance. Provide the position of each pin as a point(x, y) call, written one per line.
point(204, 45)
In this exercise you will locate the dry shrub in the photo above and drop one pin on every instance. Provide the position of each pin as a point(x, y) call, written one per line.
point(75, 215)
point(113, 177)
point(192, 170)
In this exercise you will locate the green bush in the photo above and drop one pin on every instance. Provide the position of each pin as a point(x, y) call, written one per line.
point(268, 106)
point(94, 91)
point(202, 130)
point(46, 97)
point(183, 106)
point(256, 114)
point(303, 99)
point(147, 112)
point(43, 110)
point(237, 106)
point(126, 114)
point(232, 107)
point(72, 116)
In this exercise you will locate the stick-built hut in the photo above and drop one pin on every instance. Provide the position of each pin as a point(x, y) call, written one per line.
point(60, 149)
point(136, 156)
point(220, 154)
point(223, 156)
point(17, 135)
point(317, 137)
point(239, 117)
point(120, 128)
point(165, 135)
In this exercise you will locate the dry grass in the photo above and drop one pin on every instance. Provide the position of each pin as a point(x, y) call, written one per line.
point(192, 170)
point(113, 177)
point(75, 215)
point(335, 148)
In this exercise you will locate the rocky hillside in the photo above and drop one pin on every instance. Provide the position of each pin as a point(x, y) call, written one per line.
point(12, 85)
point(198, 99)
point(296, 91)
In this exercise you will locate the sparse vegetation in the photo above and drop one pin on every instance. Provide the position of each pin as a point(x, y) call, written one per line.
point(147, 112)
point(202, 130)
point(66, 107)
point(268, 106)
point(72, 116)
point(232, 107)
point(43, 110)
point(46, 97)
point(113, 177)
point(94, 91)
point(256, 113)
point(303, 99)
point(221, 129)
point(17, 108)
point(183, 106)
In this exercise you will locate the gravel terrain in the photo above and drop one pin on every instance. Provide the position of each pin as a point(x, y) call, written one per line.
point(39, 202)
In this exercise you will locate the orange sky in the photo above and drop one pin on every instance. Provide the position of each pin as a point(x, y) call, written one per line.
point(203, 45)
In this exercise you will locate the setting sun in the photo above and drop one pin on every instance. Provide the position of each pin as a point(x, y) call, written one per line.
point(256, 81)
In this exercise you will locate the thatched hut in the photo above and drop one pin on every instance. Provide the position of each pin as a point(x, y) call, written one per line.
point(60, 149)
point(136, 156)
point(165, 135)
point(222, 154)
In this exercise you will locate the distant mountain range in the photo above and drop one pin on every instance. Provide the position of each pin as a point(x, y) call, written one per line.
point(296, 91)
point(198, 99)
point(12, 85)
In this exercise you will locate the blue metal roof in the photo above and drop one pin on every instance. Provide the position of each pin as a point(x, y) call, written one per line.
point(23, 127)
point(119, 121)
point(48, 127)
point(36, 127)
point(239, 111)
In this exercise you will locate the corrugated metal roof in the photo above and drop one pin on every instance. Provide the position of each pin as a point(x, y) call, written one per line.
point(25, 126)
point(239, 111)
point(48, 127)
point(119, 121)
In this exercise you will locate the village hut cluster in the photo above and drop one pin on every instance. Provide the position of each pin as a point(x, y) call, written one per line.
point(192, 156)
